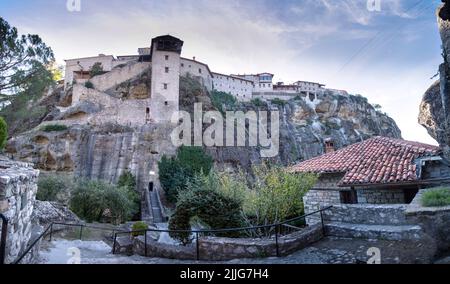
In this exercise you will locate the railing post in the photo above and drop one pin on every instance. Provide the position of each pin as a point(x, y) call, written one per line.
point(81, 232)
point(323, 223)
point(276, 240)
point(145, 242)
point(197, 246)
point(3, 239)
point(114, 243)
point(51, 232)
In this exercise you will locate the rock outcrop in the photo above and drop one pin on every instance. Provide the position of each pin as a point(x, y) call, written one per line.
point(435, 106)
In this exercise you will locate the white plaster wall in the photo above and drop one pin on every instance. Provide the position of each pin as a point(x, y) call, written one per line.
point(240, 89)
point(196, 69)
point(119, 75)
point(164, 102)
point(73, 65)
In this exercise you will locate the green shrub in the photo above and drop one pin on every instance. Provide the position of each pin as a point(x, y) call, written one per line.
point(3, 133)
point(54, 188)
point(278, 102)
point(211, 207)
point(257, 102)
point(223, 101)
point(97, 69)
point(437, 197)
point(95, 200)
point(138, 228)
point(174, 173)
point(127, 179)
point(89, 85)
point(54, 128)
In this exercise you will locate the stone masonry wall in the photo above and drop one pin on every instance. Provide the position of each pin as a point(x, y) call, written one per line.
point(220, 249)
point(377, 196)
point(18, 187)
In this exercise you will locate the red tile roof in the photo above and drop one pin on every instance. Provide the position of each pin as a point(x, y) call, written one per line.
point(379, 160)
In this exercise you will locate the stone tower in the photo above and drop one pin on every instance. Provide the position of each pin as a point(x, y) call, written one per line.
point(165, 85)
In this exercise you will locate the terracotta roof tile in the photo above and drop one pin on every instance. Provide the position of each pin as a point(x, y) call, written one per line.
point(379, 160)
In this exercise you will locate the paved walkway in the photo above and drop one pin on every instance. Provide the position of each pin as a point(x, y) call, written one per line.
point(327, 251)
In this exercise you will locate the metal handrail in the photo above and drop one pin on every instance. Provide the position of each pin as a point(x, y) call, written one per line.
point(50, 228)
point(3, 238)
point(197, 232)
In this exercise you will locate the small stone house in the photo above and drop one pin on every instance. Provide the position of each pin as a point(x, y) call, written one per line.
point(377, 171)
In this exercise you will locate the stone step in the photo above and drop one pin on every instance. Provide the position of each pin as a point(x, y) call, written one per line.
point(383, 232)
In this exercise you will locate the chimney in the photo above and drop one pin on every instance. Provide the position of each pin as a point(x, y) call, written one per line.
point(329, 146)
point(193, 58)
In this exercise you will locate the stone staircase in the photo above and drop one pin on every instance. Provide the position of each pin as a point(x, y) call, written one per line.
point(384, 222)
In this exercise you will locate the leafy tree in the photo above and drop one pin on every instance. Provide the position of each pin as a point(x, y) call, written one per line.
point(3, 133)
point(22, 57)
point(175, 172)
point(96, 69)
point(93, 200)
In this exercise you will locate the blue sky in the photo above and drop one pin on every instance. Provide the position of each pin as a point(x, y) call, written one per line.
point(388, 56)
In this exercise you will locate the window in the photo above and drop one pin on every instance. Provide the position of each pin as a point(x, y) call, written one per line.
point(349, 197)
point(165, 86)
point(182, 64)
point(167, 69)
point(167, 57)
point(166, 103)
point(200, 70)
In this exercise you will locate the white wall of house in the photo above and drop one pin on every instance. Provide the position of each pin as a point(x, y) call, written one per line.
point(241, 89)
point(85, 64)
point(198, 70)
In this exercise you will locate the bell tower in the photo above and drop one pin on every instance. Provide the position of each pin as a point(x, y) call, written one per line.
point(165, 86)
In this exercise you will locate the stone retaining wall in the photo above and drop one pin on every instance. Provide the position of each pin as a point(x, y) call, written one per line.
point(367, 214)
point(18, 187)
point(220, 249)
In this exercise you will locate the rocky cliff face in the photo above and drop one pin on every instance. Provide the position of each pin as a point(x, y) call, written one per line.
point(435, 106)
point(105, 151)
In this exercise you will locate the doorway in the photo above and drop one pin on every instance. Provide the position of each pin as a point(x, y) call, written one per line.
point(150, 187)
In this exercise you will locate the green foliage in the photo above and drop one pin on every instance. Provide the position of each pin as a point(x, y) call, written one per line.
point(138, 228)
point(223, 101)
point(22, 58)
point(127, 179)
point(89, 85)
point(54, 128)
point(96, 69)
point(437, 197)
point(54, 188)
point(203, 201)
point(3, 133)
point(276, 195)
point(278, 102)
point(257, 102)
point(175, 172)
point(96, 200)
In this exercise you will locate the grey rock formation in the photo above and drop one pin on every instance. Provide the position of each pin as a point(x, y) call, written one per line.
point(435, 106)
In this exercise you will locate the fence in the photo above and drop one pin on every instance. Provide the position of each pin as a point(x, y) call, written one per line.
point(279, 229)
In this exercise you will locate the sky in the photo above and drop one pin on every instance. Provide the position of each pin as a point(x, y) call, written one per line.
point(388, 51)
